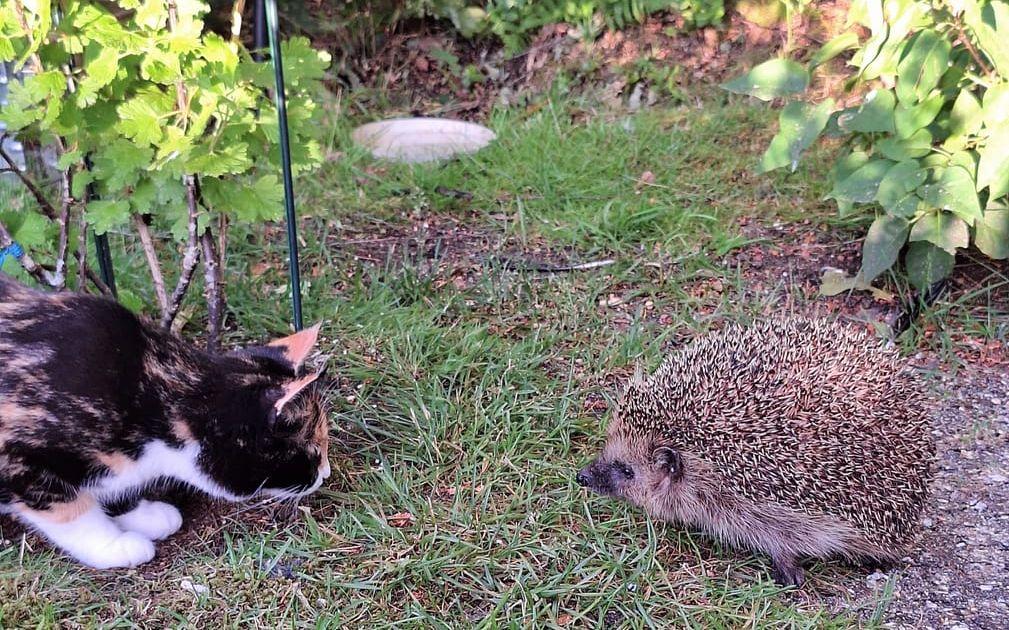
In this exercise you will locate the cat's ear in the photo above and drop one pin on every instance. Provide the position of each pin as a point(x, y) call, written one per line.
point(287, 353)
point(290, 390)
point(296, 348)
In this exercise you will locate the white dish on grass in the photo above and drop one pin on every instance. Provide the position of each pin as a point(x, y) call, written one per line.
point(421, 139)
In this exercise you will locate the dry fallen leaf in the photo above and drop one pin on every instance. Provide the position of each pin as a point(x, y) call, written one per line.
point(563, 620)
point(401, 519)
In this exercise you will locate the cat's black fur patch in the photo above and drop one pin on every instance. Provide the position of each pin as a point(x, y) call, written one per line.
point(85, 386)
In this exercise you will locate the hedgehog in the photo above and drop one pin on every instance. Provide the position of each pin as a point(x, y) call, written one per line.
point(796, 437)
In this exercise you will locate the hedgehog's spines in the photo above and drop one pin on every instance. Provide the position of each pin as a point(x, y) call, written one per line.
point(828, 399)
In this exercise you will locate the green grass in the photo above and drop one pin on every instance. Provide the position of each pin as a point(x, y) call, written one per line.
point(467, 396)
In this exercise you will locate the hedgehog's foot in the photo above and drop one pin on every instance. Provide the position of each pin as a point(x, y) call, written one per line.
point(787, 571)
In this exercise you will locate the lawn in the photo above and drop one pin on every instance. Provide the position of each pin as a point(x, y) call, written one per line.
point(472, 386)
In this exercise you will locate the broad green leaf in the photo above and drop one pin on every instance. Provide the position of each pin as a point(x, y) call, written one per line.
point(767, 81)
point(301, 61)
point(69, 159)
point(918, 73)
point(897, 190)
point(836, 282)
point(862, 185)
point(942, 229)
point(100, 66)
point(231, 159)
point(79, 185)
point(891, 23)
point(910, 119)
point(139, 121)
point(799, 126)
point(874, 114)
point(927, 264)
point(119, 165)
point(965, 117)
point(918, 145)
point(30, 229)
point(991, 233)
point(260, 201)
point(842, 169)
point(953, 190)
point(882, 245)
point(990, 37)
point(993, 166)
point(107, 214)
point(219, 52)
point(151, 14)
point(161, 67)
point(836, 46)
point(995, 108)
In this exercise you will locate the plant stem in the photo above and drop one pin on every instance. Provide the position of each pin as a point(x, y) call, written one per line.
point(189, 258)
point(27, 262)
point(213, 287)
point(45, 205)
point(152, 261)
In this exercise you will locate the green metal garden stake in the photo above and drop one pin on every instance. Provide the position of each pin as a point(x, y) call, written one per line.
point(280, 99)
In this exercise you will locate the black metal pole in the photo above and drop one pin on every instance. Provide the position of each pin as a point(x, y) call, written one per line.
point(259, 29)
point(280, 99)
point(102, 250)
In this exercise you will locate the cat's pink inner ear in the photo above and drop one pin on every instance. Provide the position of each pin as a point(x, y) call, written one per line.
point(298, 346)
point(295, 387)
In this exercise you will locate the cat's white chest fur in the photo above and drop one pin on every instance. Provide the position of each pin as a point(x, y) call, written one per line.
point(157, 461)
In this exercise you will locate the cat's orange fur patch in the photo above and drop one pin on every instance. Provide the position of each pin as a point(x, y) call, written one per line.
point(61, 512)
point(115, 461)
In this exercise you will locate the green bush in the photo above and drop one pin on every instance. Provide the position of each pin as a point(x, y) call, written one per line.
point(513, 21)
point(176, 121)
point(927, 149)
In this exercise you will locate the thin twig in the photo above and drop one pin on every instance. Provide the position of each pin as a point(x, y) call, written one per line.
point(969, 45)
point(189, 258)
point(236, 21)
point(64, 242)
point(27, 262)
point(45, 205)
point(82, 250)
point(213, 286)
point(152, 261)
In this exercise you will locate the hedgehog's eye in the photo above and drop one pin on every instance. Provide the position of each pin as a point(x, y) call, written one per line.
point(624, 470)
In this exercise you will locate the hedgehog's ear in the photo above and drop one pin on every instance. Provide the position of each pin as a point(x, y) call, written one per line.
point(669, 461)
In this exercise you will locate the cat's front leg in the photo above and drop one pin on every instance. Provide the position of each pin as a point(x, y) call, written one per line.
point(152, 519)
point(82, 529)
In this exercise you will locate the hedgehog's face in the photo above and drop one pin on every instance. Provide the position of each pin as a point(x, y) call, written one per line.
point(634, 469)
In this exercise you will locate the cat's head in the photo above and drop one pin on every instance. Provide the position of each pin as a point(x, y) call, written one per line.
point(271, 430)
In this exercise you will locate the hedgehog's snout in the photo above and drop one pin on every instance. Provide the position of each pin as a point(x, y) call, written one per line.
point(604, 477)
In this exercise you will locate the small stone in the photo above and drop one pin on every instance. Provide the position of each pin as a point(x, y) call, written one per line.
point(927, 522)
point(873, 579)
point(195, 589)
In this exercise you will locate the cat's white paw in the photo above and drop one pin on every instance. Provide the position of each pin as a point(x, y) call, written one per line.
point(129, 549)
point(152, 519)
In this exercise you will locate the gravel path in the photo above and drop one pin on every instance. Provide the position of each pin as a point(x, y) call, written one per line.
point(957, 577)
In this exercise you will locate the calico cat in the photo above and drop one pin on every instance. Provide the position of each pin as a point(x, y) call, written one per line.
point(96, 404)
